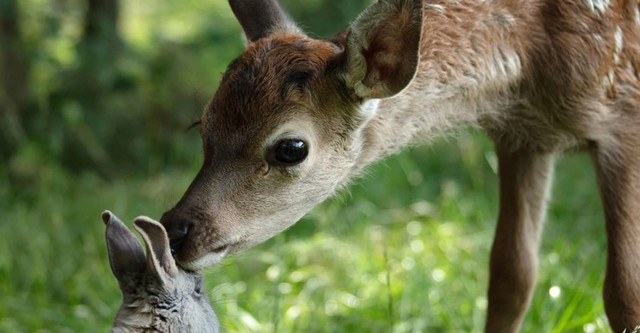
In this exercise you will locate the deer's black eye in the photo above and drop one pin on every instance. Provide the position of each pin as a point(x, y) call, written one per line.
point(291, 151)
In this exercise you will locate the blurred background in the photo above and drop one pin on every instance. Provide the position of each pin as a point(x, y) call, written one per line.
point(96, 98)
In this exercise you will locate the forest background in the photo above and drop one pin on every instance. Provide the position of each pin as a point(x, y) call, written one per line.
point(96, 97)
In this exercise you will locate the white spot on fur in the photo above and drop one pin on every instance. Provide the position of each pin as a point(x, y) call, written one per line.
point(608, 80)
point(513, 63)
point(598, 38)
point(439, 8)
point(369, 108)
point(599, 6)
point(505, 67)
point(617, 37)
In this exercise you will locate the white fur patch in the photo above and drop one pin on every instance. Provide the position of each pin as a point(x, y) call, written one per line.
point(599, 6)
point(369, 108)
point(608, 80)
point(619, 43)
point(513, 63)
point(598, 38)
point(207, 260)
point(505, 66)
point(439, 8)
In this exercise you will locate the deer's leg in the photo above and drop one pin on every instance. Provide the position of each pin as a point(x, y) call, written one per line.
point(618, 168)
point(524, 184)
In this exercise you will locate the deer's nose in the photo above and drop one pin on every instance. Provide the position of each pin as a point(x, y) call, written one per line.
point(177, 229)
point(177, 237)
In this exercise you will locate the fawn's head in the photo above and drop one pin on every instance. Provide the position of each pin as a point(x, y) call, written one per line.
point(285, 127)
point(157, 295)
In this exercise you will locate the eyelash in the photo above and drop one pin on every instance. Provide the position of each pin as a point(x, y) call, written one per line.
point(193, 125)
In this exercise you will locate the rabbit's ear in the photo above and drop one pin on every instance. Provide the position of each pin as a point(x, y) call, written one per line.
point(159, 259)
point(126, 256)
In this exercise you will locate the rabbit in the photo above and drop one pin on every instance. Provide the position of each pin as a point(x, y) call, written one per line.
point(158, 296)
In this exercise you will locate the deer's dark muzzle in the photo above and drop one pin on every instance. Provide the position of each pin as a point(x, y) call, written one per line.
point(178, 227)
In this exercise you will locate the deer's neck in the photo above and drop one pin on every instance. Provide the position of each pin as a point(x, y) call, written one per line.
point(471, 64)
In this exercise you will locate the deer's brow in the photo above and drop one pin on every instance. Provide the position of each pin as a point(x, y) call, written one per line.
point(296, 79)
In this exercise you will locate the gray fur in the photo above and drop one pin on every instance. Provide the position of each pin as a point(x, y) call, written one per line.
point(158, 296)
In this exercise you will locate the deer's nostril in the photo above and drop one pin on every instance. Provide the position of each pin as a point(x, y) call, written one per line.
point(178, 235)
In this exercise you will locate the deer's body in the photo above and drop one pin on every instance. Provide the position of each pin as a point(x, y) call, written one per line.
point(540, 76)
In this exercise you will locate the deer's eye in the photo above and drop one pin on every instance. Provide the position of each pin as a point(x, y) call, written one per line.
point(290, 151)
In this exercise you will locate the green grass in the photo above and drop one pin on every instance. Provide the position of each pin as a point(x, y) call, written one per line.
point(405, 250)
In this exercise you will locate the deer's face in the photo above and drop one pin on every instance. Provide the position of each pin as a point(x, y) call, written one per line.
point(285, 128)
point(279, 136)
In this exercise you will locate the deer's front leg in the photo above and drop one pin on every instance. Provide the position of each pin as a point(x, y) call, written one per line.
point(524, 183)
point(618, 168)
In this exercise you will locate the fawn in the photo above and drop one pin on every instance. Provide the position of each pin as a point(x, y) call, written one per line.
point(295, 118)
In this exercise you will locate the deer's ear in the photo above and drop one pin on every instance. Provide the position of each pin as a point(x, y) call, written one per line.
point(259, 18)
point(126, 256)
point(382, 48)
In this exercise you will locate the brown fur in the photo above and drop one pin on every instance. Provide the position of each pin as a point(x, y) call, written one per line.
point(540, 76)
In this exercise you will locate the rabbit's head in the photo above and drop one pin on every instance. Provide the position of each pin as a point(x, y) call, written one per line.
point(157, 295)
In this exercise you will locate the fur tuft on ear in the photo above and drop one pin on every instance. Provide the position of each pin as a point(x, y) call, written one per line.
point(383, 48)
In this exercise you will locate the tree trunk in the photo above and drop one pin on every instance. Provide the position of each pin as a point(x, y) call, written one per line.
point(91, 85)
point(100, 45)
point(101, 25)
point(14, 78)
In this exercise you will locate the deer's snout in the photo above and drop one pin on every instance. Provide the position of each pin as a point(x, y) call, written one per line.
point(177, 228)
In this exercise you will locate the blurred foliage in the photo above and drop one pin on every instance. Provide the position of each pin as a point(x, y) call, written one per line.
point(95, 100)
point(111, 87)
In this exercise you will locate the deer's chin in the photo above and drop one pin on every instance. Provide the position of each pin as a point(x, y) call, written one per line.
point(208, 259)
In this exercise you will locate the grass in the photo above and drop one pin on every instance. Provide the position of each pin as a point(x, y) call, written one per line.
point(405, 250)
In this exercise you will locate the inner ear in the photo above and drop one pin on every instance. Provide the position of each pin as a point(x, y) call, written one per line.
point(159, 259)
point(126, 256)
point(383, 48)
